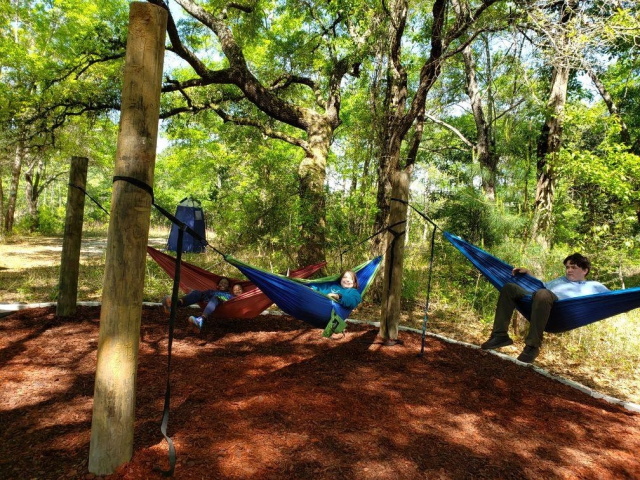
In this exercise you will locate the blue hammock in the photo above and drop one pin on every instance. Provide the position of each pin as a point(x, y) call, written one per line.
point(566, 314)
point(295, 297)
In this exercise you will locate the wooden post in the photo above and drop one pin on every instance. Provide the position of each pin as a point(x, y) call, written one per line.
point(392, 281)
point(115, 386)
point(70, 259)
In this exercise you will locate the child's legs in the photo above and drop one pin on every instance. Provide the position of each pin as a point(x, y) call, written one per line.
point(195, 296)
point(211, 306)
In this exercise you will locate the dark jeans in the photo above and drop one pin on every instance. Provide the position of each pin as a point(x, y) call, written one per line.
point(197, 296)
point(540, 310)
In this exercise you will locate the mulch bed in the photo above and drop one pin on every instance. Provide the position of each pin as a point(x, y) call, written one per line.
point(270, 398)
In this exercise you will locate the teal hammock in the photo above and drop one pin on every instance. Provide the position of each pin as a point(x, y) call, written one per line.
point(295, 297)
point(566, 314)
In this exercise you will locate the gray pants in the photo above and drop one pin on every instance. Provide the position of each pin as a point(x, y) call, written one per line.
point(540, 310)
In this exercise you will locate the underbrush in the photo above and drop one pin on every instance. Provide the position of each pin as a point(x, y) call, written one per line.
point(604, 355)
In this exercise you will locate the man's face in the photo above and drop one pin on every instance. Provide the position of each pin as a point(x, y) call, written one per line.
point(574, 272)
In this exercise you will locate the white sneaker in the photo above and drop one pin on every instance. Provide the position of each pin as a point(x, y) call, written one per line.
point(195, 324)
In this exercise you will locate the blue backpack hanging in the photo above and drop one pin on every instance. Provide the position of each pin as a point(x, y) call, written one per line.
point(189, 212)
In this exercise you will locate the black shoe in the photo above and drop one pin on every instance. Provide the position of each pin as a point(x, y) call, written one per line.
point(496, 342)
point(529, 354)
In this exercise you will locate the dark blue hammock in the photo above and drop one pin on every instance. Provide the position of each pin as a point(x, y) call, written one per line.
point(295, 297)
point(566, 314)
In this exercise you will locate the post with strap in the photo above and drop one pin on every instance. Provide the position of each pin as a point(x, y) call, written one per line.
point(114, 398)
point(392, 287)
point(70, 259)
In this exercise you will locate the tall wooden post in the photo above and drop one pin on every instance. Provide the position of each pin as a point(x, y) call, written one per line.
point(115, 387)
point(70, 259)
point(392, 281)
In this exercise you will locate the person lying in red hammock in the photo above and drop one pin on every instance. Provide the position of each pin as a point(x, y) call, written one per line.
point(212, 297)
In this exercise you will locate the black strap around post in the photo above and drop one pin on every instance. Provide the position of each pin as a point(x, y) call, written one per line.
point(173, 219)
point(396, 236)
point(182, 228)
point(426, 307)
point(433, 238)
point(174, 308)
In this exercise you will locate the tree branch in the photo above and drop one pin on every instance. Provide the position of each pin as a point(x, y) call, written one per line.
point(467, 142)
point(264, 129)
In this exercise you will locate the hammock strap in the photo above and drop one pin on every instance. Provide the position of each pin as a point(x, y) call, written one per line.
point(90, 197)
point(392, 244)
point(433, 238)
point(147, 188)
point(167, 394)
point(426, 306)
point(182, 227)
point(382, 230)
point(423, 215)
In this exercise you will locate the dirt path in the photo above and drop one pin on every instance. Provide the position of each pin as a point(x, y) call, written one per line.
point(32, 252)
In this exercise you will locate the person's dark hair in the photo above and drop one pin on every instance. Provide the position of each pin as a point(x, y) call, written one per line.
point(579, 260)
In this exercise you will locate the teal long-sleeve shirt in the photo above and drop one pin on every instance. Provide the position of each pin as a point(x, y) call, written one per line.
point(349, 297)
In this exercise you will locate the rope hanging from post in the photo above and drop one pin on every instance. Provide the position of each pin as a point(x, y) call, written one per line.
point(182, 228)
point(433, 237)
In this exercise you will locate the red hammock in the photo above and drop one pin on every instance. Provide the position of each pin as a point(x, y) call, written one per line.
point(248, 305)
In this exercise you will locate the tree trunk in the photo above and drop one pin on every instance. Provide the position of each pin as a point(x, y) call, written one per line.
point(113, 419)
point(548, 147)
point(71, 243)
point(311, 174)
point(486, 155)
point(550, 139)
point(33, 177)
point(392, 287)
point(16, 170)
point(1, 206)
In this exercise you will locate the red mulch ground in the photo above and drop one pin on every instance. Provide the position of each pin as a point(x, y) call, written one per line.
point(270, 398)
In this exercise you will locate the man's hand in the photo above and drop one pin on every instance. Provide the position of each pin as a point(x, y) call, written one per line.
point(519, 271)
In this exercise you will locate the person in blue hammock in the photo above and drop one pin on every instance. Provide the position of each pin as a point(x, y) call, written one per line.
point(346, 294)
point(212, 297)
point(573, 284)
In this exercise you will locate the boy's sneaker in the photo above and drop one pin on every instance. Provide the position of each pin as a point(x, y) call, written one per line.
point(529, 354)
point(166, 304)
point(496, 342)
point(195, 324)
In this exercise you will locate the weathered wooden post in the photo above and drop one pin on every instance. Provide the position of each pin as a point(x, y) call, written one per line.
point(70, 259)
point(392, 280)
point(115, 387)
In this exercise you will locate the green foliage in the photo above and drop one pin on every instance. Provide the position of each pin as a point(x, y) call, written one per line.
point(51, 220)
point(599, 194)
